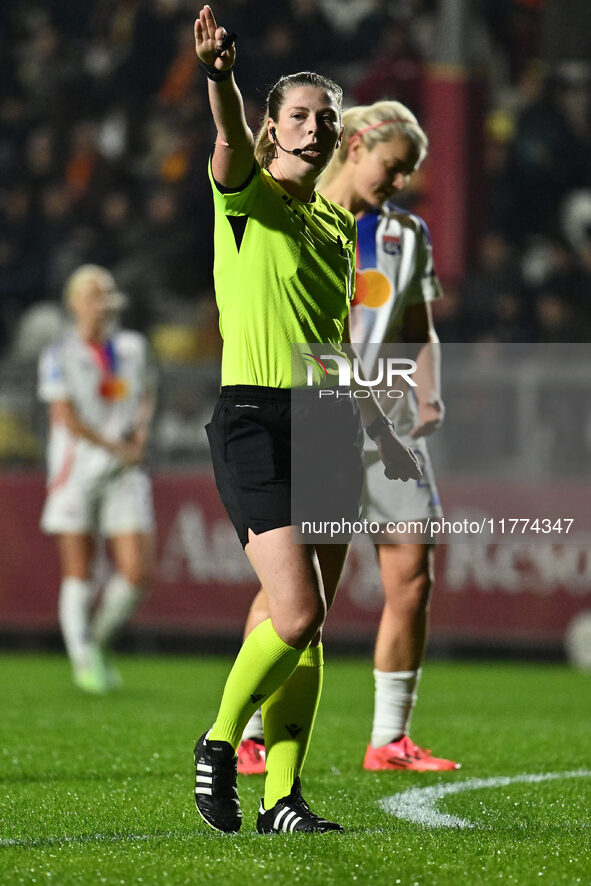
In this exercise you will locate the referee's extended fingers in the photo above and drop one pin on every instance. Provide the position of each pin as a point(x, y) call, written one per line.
point(208, 21)
point(204, 47)
point(198, 30)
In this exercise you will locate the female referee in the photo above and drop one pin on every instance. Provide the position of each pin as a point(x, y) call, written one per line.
point(282, 269)
point(383, 145)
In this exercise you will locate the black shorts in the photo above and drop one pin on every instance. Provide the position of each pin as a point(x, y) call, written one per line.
point(283, 457)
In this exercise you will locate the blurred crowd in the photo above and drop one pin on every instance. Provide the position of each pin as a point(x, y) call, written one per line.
point(105, 134)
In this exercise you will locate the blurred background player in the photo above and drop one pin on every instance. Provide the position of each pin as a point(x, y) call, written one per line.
point(99, 382)
point(382, 146)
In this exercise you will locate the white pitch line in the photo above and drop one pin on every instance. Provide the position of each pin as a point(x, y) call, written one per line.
point(417, 805)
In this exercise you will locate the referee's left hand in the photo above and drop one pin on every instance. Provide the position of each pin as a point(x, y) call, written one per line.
point(400, 462)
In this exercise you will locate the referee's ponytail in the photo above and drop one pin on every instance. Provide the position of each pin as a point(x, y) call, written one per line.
point(264, 149)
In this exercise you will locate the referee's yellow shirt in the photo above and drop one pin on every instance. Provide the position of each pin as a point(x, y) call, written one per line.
point(284, 274)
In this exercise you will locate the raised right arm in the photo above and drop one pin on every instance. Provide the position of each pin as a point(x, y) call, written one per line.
point(233, 155)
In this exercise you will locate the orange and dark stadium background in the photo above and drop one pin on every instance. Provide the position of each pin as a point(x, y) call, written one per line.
point(104, 138)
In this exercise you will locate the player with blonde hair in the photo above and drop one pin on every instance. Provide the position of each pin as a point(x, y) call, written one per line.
point(383, 144)
point(99, 382)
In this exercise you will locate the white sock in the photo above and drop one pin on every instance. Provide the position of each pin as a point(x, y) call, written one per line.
point(118, 602)
point(254, 727)
point(395, 698)
point(75, 600)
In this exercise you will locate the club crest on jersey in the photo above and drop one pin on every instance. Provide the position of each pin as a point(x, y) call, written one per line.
point(391, 244)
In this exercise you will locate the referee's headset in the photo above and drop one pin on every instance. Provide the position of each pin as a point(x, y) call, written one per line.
point(296, 151)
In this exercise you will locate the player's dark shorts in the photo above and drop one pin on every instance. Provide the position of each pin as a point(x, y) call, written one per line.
point(283, 457)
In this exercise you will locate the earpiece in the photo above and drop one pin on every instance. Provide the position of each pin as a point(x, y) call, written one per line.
point(296, 151)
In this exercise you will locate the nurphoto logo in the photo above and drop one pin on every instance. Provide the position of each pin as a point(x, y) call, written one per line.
point(386, 371)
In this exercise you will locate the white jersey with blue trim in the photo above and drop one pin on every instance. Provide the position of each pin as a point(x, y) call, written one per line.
point(394, 270)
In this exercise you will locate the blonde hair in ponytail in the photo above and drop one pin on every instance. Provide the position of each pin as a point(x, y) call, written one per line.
point(380, 122)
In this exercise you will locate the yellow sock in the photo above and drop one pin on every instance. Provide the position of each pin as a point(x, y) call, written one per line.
point(288, 720)
point(262, 665)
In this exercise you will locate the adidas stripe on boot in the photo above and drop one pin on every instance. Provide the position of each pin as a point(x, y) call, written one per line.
point(291, 814)
point(216, 796)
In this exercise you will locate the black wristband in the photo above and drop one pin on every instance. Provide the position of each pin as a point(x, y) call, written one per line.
point(215, 74)
point(374, 429)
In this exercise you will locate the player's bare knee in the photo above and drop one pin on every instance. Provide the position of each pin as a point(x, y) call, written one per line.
point(418, 592)
point(300, 629)
point(410, 594)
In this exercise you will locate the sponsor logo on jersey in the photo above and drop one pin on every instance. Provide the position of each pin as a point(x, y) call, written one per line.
point(372, 288)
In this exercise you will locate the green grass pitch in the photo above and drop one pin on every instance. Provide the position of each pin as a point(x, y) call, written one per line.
point(99, 790)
